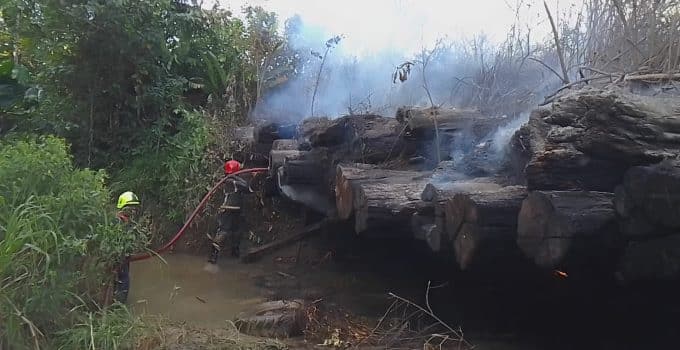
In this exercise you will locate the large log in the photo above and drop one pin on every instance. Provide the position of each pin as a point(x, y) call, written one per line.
point(568, 229)
point(453, 215)
point(588, 138)
point(344, 190)
point(489, 229)
point(467, 122)
point(386, 207)
point(656, 259)
point(379, 199)
point(267, 133)
point(360, 138)
point(648, 201)
point(458, 132)
point(303, 171)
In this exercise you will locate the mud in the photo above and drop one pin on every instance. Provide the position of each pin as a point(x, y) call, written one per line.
point(181, 288)
point(351, 281)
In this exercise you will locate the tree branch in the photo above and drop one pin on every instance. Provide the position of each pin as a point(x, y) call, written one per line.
point(558, 46)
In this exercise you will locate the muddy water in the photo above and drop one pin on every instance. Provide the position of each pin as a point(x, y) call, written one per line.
point(514, 311)
point(184, 289)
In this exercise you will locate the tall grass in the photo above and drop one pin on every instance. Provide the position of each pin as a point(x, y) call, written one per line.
point(58, 241)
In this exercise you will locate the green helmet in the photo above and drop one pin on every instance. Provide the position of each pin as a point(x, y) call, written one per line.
point(127, 198)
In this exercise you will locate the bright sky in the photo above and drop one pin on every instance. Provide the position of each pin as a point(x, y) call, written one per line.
point(405, 25)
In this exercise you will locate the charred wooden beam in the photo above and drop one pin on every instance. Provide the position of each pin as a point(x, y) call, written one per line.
point(568, 229)
point(378, 198)
point(488, 231)
point(587, 139)
point(421, 121)
point(369, 139)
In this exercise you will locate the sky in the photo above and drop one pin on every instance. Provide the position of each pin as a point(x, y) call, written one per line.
point(372, 26)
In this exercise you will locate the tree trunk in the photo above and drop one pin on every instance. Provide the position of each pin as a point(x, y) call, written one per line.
point(588, 138)
point(345, 176)
point(380, 199)
point(385, 208)
point(453, 216)
point(360, 138)
point(488, 231)
point(421, 121)
point(568, 229)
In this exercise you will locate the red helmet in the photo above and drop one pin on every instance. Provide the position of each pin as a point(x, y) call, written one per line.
point(231, 167)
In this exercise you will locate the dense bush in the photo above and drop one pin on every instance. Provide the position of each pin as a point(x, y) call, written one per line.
point(58, 240)
point(170, 171)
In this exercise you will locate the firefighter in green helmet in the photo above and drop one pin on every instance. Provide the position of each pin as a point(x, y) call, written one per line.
point(128, 211)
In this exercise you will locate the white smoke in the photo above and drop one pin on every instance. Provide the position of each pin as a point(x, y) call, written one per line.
point(379, 35)
point(501, 138)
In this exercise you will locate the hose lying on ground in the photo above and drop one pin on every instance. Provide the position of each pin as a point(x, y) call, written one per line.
point(200, 206)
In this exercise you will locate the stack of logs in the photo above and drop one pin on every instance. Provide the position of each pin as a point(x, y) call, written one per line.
point(599, 191)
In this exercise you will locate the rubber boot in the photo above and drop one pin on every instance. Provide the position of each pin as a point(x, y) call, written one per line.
point(122, 286)
point(214, 253)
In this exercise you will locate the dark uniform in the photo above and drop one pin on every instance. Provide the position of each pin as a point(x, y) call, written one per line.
point(122, 271)
point(230, 218)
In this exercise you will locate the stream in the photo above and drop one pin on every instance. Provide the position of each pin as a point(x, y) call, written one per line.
point(183, 289)
point(497, 313)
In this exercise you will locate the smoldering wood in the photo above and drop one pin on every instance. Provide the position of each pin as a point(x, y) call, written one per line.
point(268, 132)
point(488, 231)
point(445, 173)
point(421, 121)
point(360, 138)
point(457, 129)
point(568, 229)
point(587, 139)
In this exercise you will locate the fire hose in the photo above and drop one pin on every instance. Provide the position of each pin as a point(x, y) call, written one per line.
point(200, 206)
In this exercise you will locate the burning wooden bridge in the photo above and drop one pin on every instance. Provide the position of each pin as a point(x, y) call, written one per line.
point(589, 183)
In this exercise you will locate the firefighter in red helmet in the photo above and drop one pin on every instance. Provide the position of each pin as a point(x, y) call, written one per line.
point(230, 213)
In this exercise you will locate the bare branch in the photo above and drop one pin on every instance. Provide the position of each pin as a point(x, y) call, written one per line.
point(558, 45)
point(546, 66)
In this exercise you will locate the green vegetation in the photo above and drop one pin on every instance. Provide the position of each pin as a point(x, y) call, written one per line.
point(143, 90)
point(58, 241)
point(140, 89)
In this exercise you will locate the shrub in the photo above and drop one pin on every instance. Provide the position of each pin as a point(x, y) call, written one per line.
point(58, 240)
